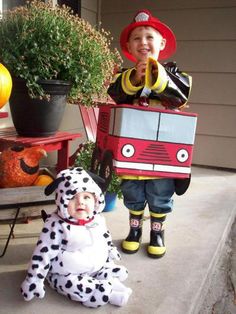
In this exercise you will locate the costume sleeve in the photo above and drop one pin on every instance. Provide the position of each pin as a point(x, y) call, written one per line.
point(172, 86)
point(46, 250)
point(121, 90)
point(113, 253)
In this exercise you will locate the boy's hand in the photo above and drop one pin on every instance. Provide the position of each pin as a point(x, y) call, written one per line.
point(139, 75)
point(151, 72)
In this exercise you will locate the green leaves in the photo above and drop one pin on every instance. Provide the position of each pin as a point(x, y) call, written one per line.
point(39, 41)
point(84, 158)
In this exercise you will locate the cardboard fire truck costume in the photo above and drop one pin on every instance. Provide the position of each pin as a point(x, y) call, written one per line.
point(146, 133)
point(145, 141)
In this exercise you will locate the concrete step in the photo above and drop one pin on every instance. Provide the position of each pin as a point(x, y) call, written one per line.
point(196, 233)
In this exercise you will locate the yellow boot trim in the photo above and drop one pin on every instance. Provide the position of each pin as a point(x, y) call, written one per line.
point(136, 213)
point(156, 250)
point(157, 215)
point(130, 246)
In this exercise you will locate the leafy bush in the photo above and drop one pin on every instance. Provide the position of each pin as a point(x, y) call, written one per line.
point(39, 41)
point(83, 160)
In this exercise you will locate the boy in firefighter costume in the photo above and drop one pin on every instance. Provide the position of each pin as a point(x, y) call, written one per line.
point(75, 251)
point(149, 83)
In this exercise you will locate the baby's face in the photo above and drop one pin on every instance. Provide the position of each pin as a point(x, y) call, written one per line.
point(144, 42)
point(81, 206)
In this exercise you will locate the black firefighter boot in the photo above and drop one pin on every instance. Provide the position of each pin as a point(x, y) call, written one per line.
point(156, 247)
point(132, 243)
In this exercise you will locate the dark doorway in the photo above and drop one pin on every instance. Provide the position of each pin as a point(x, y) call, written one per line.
point(75, 5)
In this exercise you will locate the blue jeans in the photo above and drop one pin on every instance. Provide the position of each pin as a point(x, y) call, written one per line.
point(157, 193)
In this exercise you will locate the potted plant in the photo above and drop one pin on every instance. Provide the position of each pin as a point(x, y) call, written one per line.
point(42, 45)
point(84, 158)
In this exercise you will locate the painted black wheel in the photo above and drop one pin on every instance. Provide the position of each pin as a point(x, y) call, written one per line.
point(106, 169)
point(95, 161)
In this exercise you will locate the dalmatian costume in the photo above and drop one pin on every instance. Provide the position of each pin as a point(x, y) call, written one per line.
point(76, 257)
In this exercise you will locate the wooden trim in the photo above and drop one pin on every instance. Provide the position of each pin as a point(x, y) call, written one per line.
point(3, 115)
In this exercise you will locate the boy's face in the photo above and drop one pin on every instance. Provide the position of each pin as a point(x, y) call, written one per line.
point(81, 206)
point(144, 42)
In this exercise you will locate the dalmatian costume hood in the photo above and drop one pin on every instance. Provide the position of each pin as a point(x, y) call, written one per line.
point(71, 182)
point(76, 257)
point(68, 183)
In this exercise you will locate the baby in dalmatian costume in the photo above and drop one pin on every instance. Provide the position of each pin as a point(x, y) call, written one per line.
point(75, 251)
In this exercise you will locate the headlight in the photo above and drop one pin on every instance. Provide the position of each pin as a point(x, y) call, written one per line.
point(182, 155)
point(128, 150)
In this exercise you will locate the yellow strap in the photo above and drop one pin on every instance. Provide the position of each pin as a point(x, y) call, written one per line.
point(126, 84)
point(136, 213)
point(157, 215)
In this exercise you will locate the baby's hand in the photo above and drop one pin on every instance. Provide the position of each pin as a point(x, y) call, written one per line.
point(31, 289)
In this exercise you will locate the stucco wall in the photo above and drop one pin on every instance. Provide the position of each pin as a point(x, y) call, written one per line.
point(206, 36)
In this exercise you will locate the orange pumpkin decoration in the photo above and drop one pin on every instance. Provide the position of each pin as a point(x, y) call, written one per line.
point(42, 180)
point(5, 85)
point(19, 166)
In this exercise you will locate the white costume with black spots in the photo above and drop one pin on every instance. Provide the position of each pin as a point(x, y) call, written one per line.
point(77, 260)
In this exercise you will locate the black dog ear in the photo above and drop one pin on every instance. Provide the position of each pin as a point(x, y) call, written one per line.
point(100, 181)
point(53, 185)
